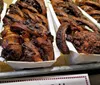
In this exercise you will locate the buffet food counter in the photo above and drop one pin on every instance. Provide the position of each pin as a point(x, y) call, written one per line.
point(49, 37)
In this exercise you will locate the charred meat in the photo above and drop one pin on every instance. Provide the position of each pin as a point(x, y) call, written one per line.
point(84, 41)
point(75, 28)
point(26, 36)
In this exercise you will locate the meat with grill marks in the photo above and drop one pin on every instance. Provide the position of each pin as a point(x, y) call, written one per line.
point(26, 36)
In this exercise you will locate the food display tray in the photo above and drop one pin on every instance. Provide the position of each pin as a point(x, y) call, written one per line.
point(45, 70)
point(75, 57)
point(51, 70)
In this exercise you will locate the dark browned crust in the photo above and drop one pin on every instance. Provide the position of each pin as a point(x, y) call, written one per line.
point(66, 6)
point(71, 21)
point(14, 17)
point(14, 9)
point(12, 52)
point(42, 5)
point(93, 4)
point(75, 9)
point(87, 8)
point(87, 42)
point(94, 12)
point(85, 22)
point(24, 5)
point(7, 21)
point(39, 5)
point(60, 12)
point(57, 3)
point(36, 18)
point(36, 55)
point(46, 45)
point(39, 30)
point(11, 45)
point(61, 39)
point(18, 27)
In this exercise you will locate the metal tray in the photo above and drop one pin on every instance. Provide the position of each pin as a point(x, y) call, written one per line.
point(50, 70)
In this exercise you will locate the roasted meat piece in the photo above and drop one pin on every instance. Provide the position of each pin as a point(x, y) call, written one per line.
point(15, 17)
point(46, 45)
point(74, 9)
point(35, 17)
point(11, 44)
point(30, 52)
point(26, 6)
point(12, 52)
point(87, 42)
point(87, 8)
point(19, 27)
point(84, 41)
point(66, 6)
point(86, 23)
point(94, 12)
point(91, 3)
point(14, 9)
point(37, 4)
point(61, 39)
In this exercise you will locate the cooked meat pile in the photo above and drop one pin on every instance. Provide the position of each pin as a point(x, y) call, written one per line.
point(26, 36)
point(92, 8)
point(1, 7)
point(73, 28)
point(87, 42)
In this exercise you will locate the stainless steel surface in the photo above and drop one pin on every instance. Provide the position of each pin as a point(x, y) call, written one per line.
point(51, 70)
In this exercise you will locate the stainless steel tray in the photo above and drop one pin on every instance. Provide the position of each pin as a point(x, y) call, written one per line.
point(49, 71)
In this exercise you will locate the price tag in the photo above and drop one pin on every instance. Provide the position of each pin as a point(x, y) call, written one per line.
point(54, 80)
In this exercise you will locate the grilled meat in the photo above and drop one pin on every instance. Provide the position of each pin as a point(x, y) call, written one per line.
point(73, 27)
point(26, 36)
